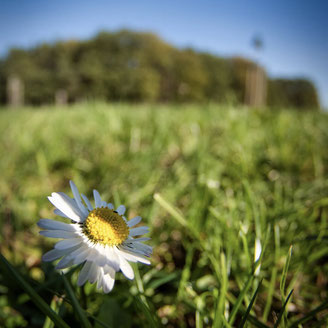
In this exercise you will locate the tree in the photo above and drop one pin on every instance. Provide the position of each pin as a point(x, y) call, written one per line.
point(134, 66)
point(298, 93)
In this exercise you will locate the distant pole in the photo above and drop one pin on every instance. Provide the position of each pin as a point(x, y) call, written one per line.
point(15, 91)
point(256, 86)
point(256, 80)
point(61, 97)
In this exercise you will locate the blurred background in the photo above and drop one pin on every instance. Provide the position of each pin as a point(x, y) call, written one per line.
point(257, 54)
point(208, 119)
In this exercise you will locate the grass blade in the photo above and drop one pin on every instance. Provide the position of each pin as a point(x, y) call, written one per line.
point(190, 230)
point(141, 300)
point(145, 309)
point(282, 311)
point(199, 319)
point(285, 271)
point(159, 282)
point(310, 315)
point(186, 272)
point(76, 305)
point(220, 308)
point(284, 278)
point(178, 217)
point(166, 205)
point(35, 298)
point(248, 310)
point(253, 320)
point(240, 298)
point(55, 305)
point(273, 274)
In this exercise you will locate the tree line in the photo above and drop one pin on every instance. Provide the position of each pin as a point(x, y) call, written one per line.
point(139, 67)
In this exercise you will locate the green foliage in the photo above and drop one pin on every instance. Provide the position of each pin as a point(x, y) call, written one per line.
point(139, 67)
point(299, 93)
point(248, 310)
point(2, 82)
point(219, 79)
point(11, 273)
point(239, 68)
point(211, 182)
point(79, 312)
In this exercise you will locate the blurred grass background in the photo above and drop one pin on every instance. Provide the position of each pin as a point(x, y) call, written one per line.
point(223, 177)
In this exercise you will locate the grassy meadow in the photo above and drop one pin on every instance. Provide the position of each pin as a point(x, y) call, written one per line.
point(236, 201)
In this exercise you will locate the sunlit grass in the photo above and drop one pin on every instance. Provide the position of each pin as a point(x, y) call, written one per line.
point(209, 181)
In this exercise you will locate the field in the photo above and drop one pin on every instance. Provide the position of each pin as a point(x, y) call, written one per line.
point(236, 201)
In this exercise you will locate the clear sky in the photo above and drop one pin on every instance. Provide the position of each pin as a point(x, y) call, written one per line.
point(295, 32)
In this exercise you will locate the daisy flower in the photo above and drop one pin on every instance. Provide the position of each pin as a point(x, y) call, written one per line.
point(100, 237)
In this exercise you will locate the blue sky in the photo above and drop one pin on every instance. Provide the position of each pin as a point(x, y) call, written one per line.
point(295, 32)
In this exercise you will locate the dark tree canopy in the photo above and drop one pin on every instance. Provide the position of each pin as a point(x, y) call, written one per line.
point(299, 93)
point(139, 67)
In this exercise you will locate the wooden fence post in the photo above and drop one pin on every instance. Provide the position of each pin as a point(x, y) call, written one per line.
point(256, 86)
point(15, 91)
point(61, 97)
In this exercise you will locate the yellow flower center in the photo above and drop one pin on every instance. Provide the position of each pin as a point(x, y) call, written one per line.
point(106, 227)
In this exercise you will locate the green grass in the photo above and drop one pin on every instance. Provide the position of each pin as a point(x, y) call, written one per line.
point(210, 181)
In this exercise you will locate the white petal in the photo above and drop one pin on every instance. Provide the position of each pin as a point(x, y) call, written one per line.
point(71, 201)
point(109, 270)
point(142, 247)
point(84, 273)
point(87, 202)
point(126, 268)
point(65, 262)
point(97, 198)
point(258, 249)
point(143, 250)
point(54, 254)
point(112, 258)
point(55, 225)
point(67, 243)
point(103, 203)
point(132, 257)
point(108, 283)
point(134, 221)
point(93, 273)
point(100, 257)
point(77, 197)
point(100, 277)
point(138, 231)
point(66, 206)
point(110, 206)
point(92, 253)
point(60, 213)
point(140, 239)
point(137, 251)
point(121, 210)
point(82, 256)
point(57, 234)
